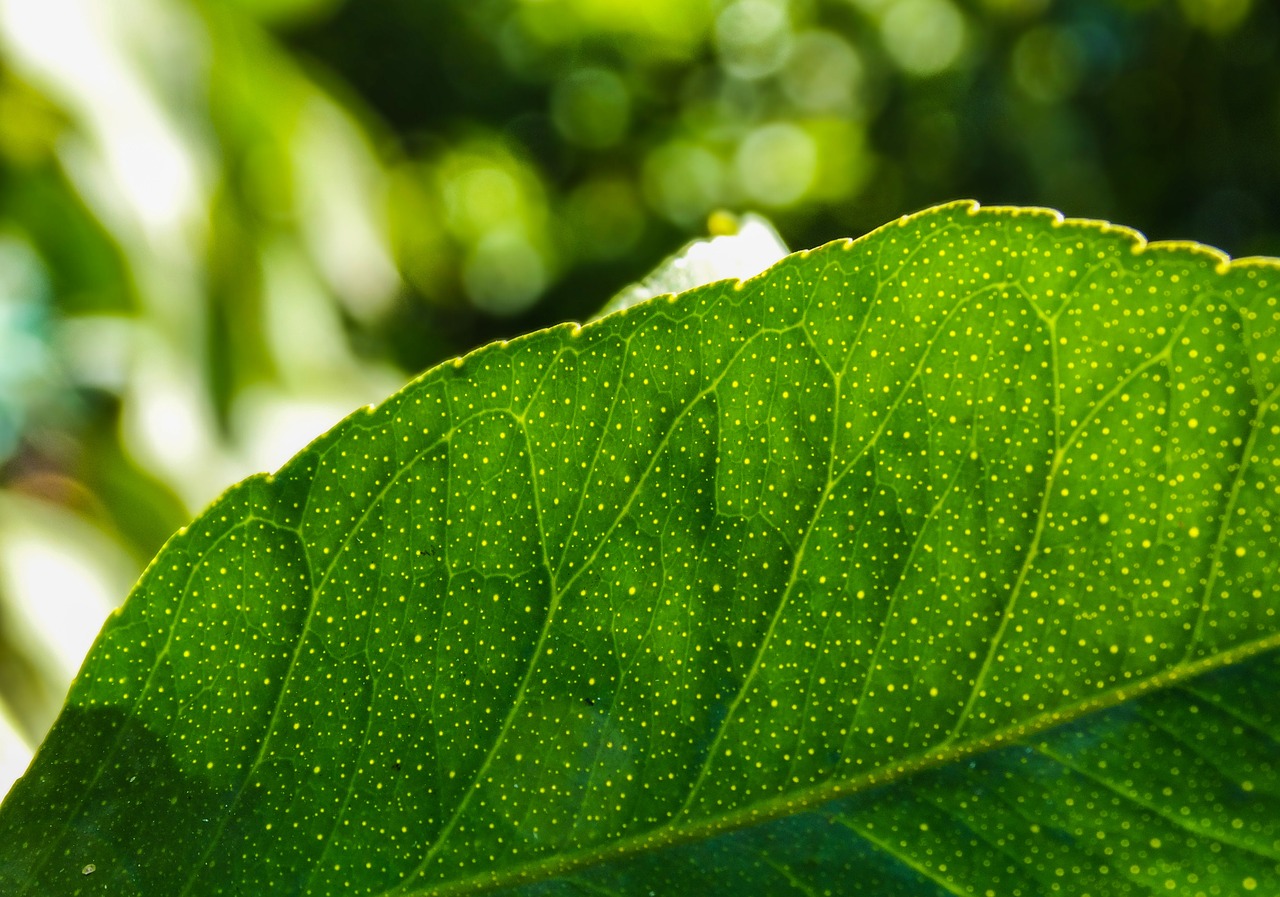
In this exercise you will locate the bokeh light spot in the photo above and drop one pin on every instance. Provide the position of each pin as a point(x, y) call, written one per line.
point(824, 74)
point(504, 273)
point(753, 38)
point(592, 108)
point(775, 165)
point(479, 198)
point(1216, 16)
point(924, 37)
point(683, 181)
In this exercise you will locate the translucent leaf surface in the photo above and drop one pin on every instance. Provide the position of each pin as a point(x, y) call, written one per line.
point(887, 571)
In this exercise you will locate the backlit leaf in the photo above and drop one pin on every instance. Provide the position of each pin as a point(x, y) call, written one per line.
point(806, 585)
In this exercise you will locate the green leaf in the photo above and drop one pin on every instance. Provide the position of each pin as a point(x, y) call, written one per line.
point(806, 585)
point(1175, 793)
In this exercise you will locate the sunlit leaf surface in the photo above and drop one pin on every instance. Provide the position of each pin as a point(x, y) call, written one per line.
point(805, 585)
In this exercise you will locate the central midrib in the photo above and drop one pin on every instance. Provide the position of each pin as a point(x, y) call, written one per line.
point(805, 800)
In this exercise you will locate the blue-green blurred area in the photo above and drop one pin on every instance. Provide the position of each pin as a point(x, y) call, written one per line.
point(225, 223)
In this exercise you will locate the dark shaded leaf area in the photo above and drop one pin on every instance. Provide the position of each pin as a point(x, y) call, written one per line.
point(890, 571)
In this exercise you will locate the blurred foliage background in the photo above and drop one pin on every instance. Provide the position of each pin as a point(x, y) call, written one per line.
point(226, 223)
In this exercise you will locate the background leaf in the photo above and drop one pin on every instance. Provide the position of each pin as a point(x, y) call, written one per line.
point(690, 580)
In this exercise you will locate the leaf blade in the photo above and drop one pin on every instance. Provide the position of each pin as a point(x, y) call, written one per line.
point(637, 582)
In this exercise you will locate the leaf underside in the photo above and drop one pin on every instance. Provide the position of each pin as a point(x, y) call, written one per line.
point(885, 572)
